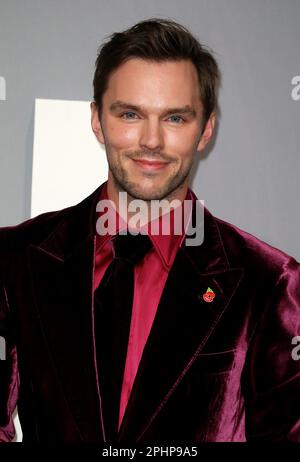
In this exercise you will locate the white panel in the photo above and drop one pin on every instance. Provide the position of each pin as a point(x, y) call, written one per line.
point(68, 162)
point(19, 435)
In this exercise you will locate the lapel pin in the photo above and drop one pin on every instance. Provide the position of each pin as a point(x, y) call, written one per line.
point(209, 295)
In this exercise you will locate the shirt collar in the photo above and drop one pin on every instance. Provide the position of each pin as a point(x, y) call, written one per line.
point(166, 245)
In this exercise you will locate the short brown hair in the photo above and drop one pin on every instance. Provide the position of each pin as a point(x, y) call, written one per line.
point(158, 40)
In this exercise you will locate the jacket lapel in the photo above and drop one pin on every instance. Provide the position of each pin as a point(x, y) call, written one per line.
point(62, 275)
point(182, 326)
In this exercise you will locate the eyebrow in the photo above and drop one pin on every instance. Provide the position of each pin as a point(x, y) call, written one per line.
point(117, 105)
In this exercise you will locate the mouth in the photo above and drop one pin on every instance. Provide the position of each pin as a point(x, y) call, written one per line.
point(150, 164)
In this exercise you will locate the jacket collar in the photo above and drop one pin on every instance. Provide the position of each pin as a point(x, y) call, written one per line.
point(78, 226)
point(166, 245)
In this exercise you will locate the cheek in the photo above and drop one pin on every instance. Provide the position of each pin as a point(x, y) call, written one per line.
point(120, 137)
point(180, 144)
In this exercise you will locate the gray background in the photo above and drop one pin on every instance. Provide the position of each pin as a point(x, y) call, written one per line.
point(249, 176)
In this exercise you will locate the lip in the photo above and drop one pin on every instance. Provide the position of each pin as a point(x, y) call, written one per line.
point(150, 164)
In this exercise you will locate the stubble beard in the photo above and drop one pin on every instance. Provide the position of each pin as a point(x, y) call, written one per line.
point(135, 191)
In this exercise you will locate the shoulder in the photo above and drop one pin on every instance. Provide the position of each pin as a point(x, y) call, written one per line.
point(58, 229)
point(35, 230)
point(31, 231)
point(244, 249)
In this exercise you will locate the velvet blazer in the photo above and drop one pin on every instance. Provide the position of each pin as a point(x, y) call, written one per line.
point(210, 371)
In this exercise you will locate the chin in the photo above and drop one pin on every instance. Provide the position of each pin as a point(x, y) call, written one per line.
point(145, 189)
point(144, 195)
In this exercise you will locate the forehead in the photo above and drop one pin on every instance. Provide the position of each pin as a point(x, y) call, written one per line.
point(154, 83)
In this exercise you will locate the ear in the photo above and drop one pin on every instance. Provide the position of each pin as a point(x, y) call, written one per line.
point(96, 123)
point(208, 131)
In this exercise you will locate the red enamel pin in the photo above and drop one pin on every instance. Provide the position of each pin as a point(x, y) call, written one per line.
point(209, 295)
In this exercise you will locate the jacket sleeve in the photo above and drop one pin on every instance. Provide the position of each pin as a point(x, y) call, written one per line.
point(9, 378)
point(272, 379)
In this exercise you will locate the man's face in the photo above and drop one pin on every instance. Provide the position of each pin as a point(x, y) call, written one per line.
point(151, 124)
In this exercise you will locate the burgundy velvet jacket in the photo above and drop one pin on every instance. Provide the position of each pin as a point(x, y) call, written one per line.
point(218, 371)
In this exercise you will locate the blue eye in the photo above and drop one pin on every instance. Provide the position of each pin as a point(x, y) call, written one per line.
point(177, 119)
point(128, 115)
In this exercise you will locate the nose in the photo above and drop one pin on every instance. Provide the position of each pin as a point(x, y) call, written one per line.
point(151, 136)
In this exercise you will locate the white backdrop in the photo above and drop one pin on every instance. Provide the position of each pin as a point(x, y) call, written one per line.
point(68, 161)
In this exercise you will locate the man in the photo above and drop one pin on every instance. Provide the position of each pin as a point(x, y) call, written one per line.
point(199, 345)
